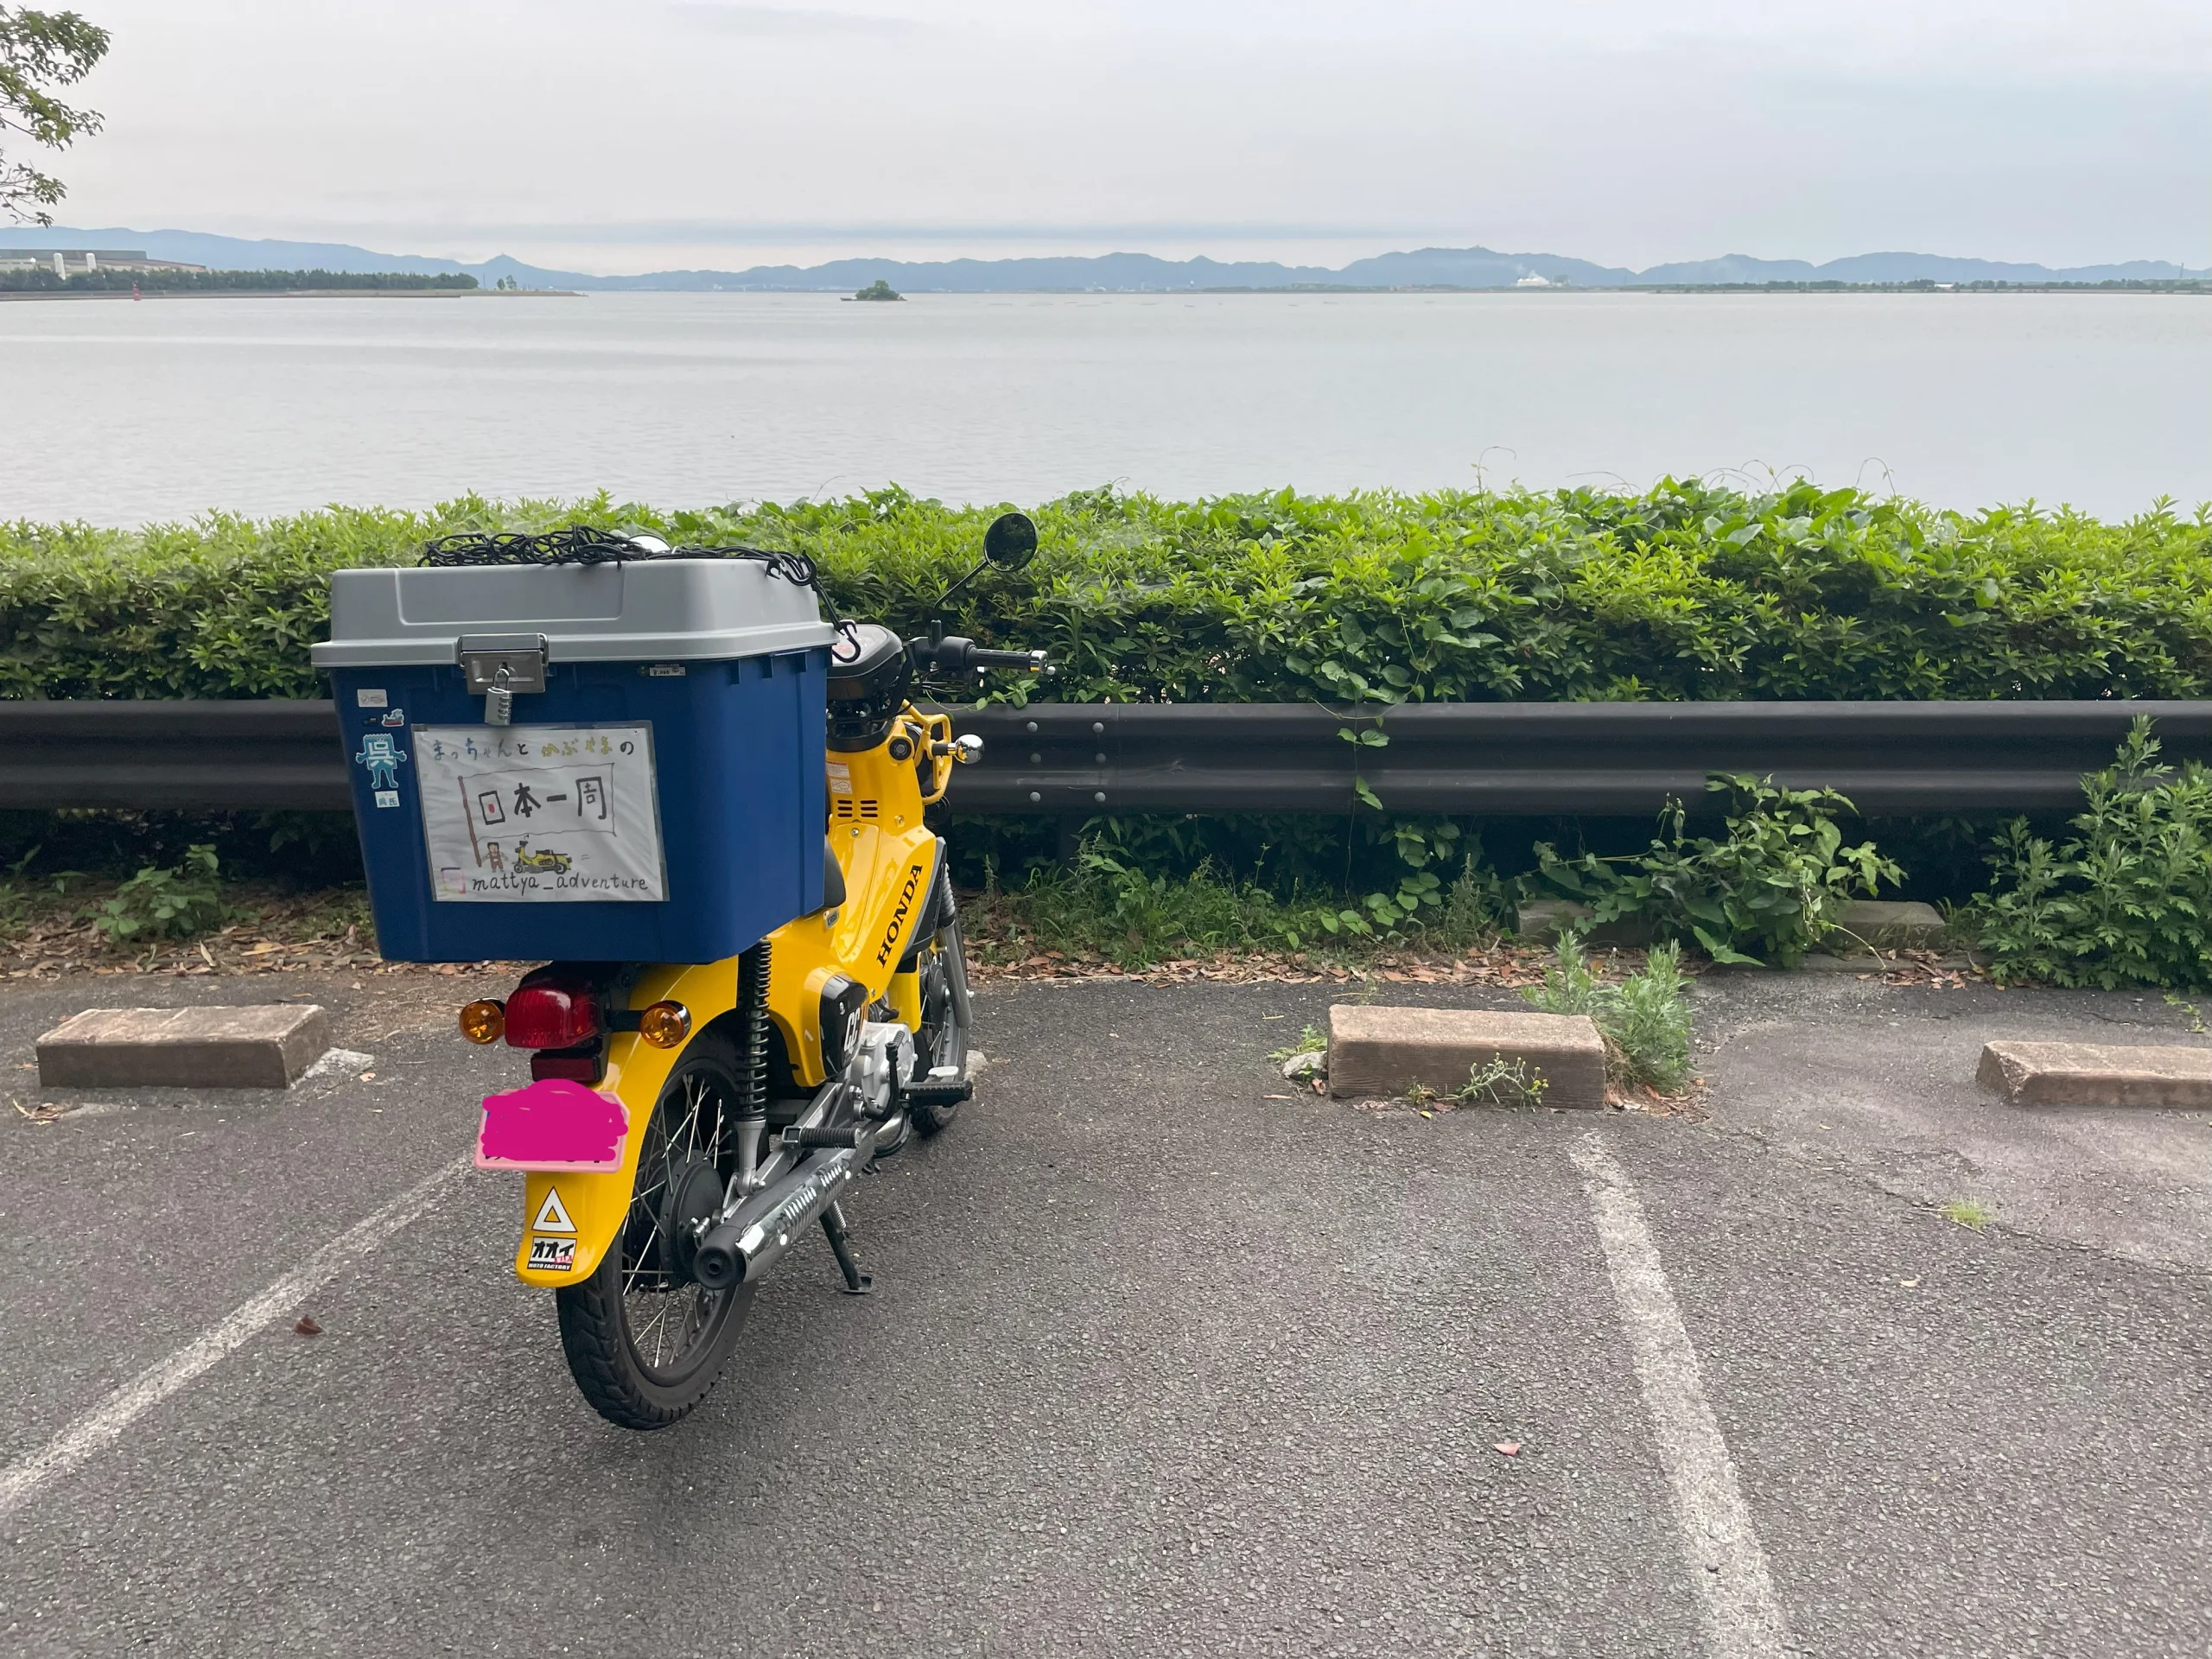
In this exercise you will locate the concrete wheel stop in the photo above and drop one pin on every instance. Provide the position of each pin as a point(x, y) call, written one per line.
point(266, 1046)
point(1379, 1052)
point(2097, 1074)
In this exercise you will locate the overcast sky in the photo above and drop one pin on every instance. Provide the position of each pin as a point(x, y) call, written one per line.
point(632, 135)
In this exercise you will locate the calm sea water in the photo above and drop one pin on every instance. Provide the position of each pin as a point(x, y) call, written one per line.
point(123, 413)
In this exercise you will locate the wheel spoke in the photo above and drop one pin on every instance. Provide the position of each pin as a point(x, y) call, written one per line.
point(686, 1132)
point(665, 1319)
point(655, 1328)
point(639, 1266)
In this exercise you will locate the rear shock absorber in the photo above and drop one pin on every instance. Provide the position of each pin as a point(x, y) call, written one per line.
point(752, 1061)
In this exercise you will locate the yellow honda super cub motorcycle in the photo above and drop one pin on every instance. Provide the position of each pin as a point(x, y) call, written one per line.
point(687, 1123)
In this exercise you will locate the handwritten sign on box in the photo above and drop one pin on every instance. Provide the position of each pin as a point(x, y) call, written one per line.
point(541, 814)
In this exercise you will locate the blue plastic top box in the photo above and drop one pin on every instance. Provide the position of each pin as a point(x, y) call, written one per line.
point(657, 794)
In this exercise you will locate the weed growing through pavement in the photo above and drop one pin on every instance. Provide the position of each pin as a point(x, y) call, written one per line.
point(1644, 1018)
point(1311, 1040)
point(1504, 1082)
point(1651, 1022)
point(1970, 1213)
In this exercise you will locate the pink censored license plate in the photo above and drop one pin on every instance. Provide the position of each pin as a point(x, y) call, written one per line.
point(552, 1124)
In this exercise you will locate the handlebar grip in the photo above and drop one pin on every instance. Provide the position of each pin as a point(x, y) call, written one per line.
point(959, 655)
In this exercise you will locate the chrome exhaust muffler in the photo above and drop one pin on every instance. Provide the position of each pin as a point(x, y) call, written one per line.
point(736, 1251)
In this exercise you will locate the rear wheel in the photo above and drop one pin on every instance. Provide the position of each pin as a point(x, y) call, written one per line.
point(942, 968)
point(645, 1340)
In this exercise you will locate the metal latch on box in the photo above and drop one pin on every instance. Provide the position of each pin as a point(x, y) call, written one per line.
point(498, 665)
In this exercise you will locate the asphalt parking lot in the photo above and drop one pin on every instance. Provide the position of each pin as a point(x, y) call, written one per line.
point(1160, 1361)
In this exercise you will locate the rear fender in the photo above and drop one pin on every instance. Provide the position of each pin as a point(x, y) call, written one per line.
point(585, 1209)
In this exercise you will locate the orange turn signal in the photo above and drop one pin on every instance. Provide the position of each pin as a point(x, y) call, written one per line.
point(482, 1022)
point(665, 1024)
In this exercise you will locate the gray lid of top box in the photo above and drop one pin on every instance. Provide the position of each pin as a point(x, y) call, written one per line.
point(656, 610)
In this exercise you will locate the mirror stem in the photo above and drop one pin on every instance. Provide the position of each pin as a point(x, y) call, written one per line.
point(937, 627)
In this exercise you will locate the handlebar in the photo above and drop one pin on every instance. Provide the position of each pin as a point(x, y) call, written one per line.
point(957, 655)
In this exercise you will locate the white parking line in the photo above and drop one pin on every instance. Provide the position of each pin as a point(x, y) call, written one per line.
point(1742, 1620)
point(105, 1422)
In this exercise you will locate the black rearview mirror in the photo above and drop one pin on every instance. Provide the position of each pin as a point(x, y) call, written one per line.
point(1009, 544)
point(1011, 541)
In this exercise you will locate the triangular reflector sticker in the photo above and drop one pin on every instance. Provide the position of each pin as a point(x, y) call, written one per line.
point(552, 1216)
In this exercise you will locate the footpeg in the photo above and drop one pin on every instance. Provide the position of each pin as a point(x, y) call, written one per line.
point(826, 1140)
point(934, 1093)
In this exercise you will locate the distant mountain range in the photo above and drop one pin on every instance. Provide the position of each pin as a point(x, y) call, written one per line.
point(1113, 272)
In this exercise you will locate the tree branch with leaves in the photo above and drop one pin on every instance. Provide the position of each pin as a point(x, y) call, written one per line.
point(40, 53)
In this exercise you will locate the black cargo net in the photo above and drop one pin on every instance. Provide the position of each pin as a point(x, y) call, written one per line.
point(581, 544)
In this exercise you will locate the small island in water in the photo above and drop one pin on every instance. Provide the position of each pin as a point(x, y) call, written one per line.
point(879, 289)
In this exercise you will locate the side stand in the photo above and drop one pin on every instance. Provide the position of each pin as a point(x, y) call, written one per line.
point(841, 1246)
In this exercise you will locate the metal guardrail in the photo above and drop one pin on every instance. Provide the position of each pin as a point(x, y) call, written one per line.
point(183, 757)
point(1077, 759)
point(1539, 759)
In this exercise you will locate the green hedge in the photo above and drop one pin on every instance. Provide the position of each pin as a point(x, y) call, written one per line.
point(1685, 592)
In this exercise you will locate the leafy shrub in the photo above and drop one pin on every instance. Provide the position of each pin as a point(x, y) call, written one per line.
point(2126, 900)
point(1644, 1018)
point(1773, 884)
point(160, 903)
point(1685, 591)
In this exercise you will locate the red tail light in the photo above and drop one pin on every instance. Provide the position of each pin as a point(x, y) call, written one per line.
point(551, 1010)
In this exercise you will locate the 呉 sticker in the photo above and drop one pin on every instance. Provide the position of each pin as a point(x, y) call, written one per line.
point(552, 1255)
point(383, 758)
point(366, 698)
point(553, 1215)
